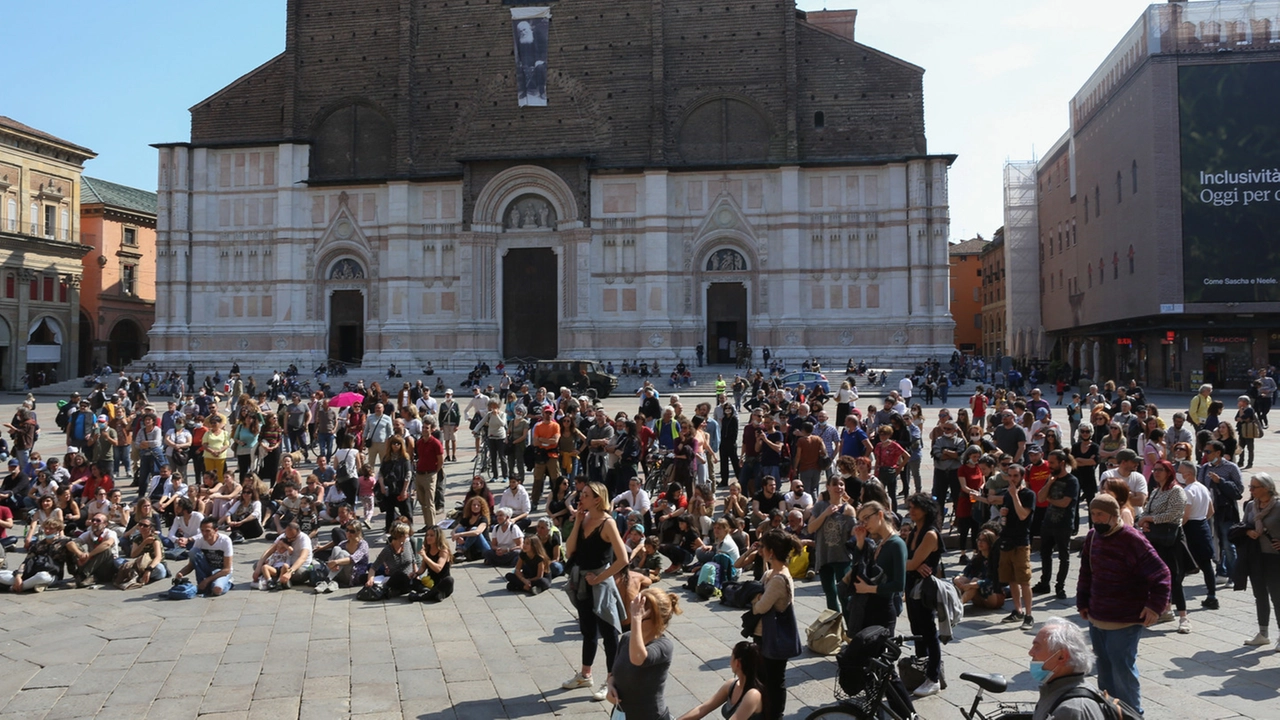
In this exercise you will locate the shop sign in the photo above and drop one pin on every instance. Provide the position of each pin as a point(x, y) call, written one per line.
point(1124, 341)
point(1225, 339)
point(1214, 350)
point(1168, 338)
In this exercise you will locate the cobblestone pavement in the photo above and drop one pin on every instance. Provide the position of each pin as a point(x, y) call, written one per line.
point(486, 653)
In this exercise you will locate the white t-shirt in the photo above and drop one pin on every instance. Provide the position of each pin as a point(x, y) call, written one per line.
point(1136, 482)
point(90, 540)
point(509, 539)
point(299, 545)
point(1199, 499)
point(215, 552)
point(639, 502)
point(186, 528)
point(803, 501)
point(517, 501)
point(730, 548)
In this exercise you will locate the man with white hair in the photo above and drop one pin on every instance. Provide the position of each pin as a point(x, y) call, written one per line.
point(507, 540)
point(1060, 661)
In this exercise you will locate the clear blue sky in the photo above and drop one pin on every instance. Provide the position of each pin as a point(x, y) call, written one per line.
point(998, 74)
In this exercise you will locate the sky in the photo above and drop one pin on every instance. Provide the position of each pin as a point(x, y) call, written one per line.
point(998, 75)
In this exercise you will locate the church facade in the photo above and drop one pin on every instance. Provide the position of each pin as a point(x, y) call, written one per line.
point(410, 182)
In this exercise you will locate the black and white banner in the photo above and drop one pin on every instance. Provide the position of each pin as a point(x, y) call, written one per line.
point(529, 29)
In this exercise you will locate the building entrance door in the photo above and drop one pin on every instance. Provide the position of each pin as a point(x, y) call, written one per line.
point(530, 298)
point(346, 326)
point(726, 321)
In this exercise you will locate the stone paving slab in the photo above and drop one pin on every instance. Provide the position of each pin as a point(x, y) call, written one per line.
point(488, 654)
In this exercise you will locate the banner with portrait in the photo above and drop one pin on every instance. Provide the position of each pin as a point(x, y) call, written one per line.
point(530, 27)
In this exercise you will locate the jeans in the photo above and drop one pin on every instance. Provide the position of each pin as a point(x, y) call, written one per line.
point(1226, 549)
point(476, 546)
point(326, 444)
point(773, 471)
point(204, 570)
point(508, 559)
point(889, 478)
point(1117, 652)
point(120, 456)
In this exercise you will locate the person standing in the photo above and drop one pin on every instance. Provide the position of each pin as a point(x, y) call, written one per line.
point(1223, 479)
point(428, 455)
point(1262, 518)
point(776, 547)
point(1123, 587)
point(1015, 545)
point(1061, 491)
point(1266, 396)
point(924, 543)
point(1162, 524)
point(377, 429)
point(546, 455)
point(1248, 428)
point(1200, 405)
point(831, 524)
point(946, 463)
point(450, 417)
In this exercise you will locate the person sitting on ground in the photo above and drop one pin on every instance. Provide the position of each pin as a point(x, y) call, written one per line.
point(735, 503)
point(46, 558)
point(980, 582)
point(274, 572)
point(165, 491)
point(211, 559)
point(145, 562)
point(184, 529)
point(94, 553)
point(469, 534)
point(681, 550)
point(244, 518)
point(44, 511)
point(394, 566)
point(349, 560)
point(72, 515)
point(506, 539)
point(480, 489)
point(532, 570)
point(516, 499)
point(434, 560)
point(742, 697)
point(553, 544)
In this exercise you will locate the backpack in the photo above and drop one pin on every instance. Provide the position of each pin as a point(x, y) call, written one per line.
point(825, 635)
point(739, 594)
point(372, 593)
point(707, 582)
point(183, 589)
point(1112, 708)
point(64, 410)
point(874, 641)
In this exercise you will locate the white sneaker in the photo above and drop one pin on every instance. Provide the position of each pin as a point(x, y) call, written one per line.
point(262, 583)
point(926, 689)
point(577, 681)
point(1258, 640)
point(1184, 626)
point(600, 693)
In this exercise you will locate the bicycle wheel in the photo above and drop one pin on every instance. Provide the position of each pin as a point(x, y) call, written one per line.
point(839, 710)
point(481, 462)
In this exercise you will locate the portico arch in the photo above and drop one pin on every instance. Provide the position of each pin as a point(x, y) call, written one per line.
point(514, 182)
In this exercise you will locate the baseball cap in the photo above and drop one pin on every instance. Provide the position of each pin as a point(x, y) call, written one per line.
point(1035, 448)
point(102, 418)
point(1042, 413)
point(13, 462)
point(1126, 455)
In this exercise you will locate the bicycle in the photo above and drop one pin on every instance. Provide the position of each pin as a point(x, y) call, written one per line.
point(875, 694)
point(480, 466)
point(658, 468)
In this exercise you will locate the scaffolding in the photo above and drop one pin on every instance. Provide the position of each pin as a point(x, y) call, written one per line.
point(1024, 333)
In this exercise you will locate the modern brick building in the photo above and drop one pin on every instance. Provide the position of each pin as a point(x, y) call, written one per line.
point(1149, 267)
point(118, 294)
point(995, 321)
point(410, 181)
point(966, 293)
point(40, 254)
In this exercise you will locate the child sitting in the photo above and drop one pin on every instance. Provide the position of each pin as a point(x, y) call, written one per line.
point(532, 568)
point(280, 558)
point(980, 583)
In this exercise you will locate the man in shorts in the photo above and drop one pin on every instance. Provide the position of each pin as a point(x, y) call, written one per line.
point(1015, 546)
point(450, 416)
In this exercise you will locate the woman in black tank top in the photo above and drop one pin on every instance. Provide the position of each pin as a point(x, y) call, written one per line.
point(924, 553)
point(596, 553)
point(743, 691)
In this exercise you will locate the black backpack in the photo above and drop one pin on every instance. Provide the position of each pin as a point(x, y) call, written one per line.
point(738, 595)
point(1112, 708)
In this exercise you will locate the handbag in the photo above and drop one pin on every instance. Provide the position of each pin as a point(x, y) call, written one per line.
point(780, 636)
point(1164, 534)
point(1250, 429)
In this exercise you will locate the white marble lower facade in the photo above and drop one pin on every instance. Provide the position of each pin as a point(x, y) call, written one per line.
point(256, 265)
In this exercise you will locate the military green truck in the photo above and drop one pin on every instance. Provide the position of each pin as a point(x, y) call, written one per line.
point(577, 375)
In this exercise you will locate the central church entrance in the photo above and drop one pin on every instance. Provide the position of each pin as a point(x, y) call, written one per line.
point(346, 326)
point(530, 298)
point(726, 321)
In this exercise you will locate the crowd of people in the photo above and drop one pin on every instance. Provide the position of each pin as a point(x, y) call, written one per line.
point(805, 487)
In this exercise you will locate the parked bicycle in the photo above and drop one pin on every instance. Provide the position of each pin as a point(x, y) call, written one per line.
point(866, 688)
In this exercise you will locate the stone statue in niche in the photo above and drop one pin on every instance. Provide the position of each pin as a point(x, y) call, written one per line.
point(726, 260)
point(530, 212)
point(346, 269)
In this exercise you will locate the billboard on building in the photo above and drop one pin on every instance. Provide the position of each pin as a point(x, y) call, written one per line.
point(1230, 140)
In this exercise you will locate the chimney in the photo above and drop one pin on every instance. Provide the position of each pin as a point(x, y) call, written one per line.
point(839, 22)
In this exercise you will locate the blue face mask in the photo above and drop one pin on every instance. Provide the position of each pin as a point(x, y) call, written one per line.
point(1038, 673)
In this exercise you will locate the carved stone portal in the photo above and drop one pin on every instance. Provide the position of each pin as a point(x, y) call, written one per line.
point(529, 212)
point(346, 269)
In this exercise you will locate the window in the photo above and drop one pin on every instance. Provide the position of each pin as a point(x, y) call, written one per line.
point(131, 237)
point(128, 276)
point(48, 289)
point(355, 141)
point(33, 290)
point(1130, 259)
point(34, 219)
point(1133, 173)
point(1119, 187)
point(65, 227)
point(1097, 201)
point(11, 216)
point(977, 321)
point(819, 120)
point(1086, 209)
point(50, 220)
point(62, 291)
point(10, 286)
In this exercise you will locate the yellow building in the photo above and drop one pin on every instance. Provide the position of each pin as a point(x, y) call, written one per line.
point(40, 255)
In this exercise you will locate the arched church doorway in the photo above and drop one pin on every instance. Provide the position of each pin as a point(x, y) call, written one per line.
point(530, 298)
point(124, 345)
point(346, 326)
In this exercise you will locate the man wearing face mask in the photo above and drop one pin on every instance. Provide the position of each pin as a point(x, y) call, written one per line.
point(1060, 660)
point(1124, 586)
